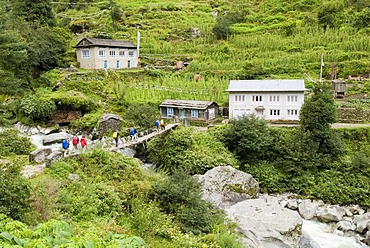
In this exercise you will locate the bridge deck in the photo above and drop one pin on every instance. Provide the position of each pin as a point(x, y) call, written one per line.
point(148, 136)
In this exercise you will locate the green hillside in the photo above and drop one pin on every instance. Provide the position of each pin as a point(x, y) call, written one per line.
point(235, 40)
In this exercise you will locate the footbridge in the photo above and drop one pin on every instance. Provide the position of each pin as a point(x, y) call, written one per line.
point(129, 142)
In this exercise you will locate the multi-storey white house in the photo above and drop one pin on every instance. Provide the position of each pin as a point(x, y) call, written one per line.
point(269, 99)
point(93, 53)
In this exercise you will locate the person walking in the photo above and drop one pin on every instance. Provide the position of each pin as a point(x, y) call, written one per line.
point(115, 137)
point(133, 133)
point(163, 126)
point(157, 125)
point(75, 141)
point(83, 143)
point(65, 146)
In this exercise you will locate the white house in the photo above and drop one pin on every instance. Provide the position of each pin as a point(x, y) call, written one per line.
point(93, 53)
point(269, 99)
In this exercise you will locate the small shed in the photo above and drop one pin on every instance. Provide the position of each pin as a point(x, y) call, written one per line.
point(339, 88)
point(109, 122)
point(192, 110)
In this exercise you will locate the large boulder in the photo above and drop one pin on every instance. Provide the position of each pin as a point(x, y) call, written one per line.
point(54, 156)
point(361, 222)
point(307, 209)
point(330, 213)
point(55, 138)
point(224, 186)
point(110, 122)
point(39, 155)
point(266, 224)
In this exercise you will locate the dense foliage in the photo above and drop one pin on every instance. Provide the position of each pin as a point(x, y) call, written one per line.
point(11, 143)
point(190, 151)
point(316, 116)
point(15, 192)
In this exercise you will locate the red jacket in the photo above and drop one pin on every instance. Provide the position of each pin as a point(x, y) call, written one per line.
point(83, 142)
point(75, 141)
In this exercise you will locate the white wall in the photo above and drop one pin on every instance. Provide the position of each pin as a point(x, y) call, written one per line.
point(280, 106)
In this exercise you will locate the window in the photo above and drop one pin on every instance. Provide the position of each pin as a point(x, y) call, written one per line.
point(239, 98)
point(256, 98)
point(274, 112)
point(131, 53)
point(292, 112)
point(112, 53)
point(194, 113)
point(102, 53)
point(122, 53)
point(292, 98)
point(274, 98)
point(85, 54)
point(169, 111)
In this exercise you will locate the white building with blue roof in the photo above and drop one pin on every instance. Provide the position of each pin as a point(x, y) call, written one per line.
point(268, 99)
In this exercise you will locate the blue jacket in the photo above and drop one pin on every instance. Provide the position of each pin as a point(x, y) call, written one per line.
point(65, 144)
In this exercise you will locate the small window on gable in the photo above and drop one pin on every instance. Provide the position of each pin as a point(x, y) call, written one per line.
point(169, 112)
point(85, 54)
point(194, 113)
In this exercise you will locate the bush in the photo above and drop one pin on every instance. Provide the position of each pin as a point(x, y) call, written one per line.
point(84, 201)
point(249, 138)
point(14, 191)
point(34, 107)
point(187, 150)
point(11, 143)
point(180, 196)
point(142, 116)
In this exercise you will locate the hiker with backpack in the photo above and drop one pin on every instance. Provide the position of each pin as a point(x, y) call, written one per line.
point(163, 126)
point(157, 125)
point(83, 143)
point(115, 137)
point(75, 141)
point(65, 146)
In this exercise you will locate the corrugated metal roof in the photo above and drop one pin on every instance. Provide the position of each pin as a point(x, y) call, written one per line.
point(266, 85)
point(186, 104)
point(88, 42)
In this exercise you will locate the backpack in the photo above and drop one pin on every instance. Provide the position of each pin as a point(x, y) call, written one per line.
point(157, 123)
point(75, 140)
point(115, 134)
point(65, 144)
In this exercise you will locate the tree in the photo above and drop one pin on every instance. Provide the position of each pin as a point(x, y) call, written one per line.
point(249, 138)
point(37, 12)
point(316, 116)
point(222, 28)
point(329, 15)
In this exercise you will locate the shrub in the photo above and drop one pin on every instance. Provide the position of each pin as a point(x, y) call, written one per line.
point(34, 107)
point(12, 143)
point(14, 191)
point(84, 201)
point(184, 149)
point(142, 116)
point(248, 138)
point(180, 196)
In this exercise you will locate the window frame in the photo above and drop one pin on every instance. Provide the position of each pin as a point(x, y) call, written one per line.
point(274, 112)
point(170, 112)
point(83, 55)
point(257, 98)
point(194, 113)
point(112, 53)
point(123, 55)
point(131, 53)
point(102, 53)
